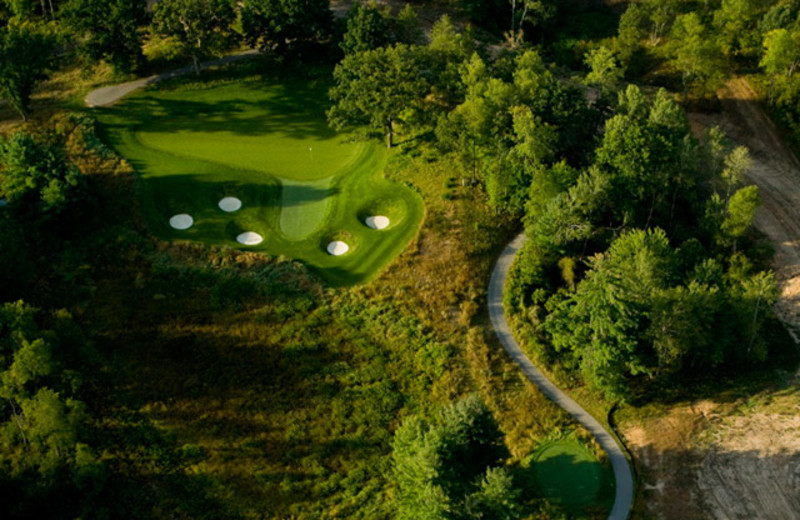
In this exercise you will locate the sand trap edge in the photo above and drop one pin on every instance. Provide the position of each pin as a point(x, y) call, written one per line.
point(230, 204)
point(249, 238)
point(181, 221)
point(377, 222)
point(337, 248)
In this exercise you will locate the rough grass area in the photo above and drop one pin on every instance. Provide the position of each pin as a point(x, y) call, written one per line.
point(268, 144)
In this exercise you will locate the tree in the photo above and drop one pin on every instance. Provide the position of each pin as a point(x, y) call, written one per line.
point(632, 30)
point(201, 27)
point(735, 23)
point(41, 431)
point(449, 468)
point(278, 23)
point(36, 174)
point(741, 210)
point(26, 54)
point(605, 320)
point(378, 88)
point(605, 71)
point(533, 12)
point(449, 52)
point(497, 498)
point(780, 61)
point(695, 54)
point(108, 29)
point(367, 28)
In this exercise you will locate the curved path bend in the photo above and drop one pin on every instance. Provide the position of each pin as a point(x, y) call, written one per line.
point(105, 96)
point(622, 472)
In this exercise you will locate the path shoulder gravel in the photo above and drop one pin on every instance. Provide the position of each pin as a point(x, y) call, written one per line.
point(622, 472)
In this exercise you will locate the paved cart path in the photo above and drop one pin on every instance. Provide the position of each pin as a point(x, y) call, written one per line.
point(622, 471)
point(105, 96)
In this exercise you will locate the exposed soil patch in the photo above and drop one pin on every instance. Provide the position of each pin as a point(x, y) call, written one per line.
point(664, 456)
point(753, 468)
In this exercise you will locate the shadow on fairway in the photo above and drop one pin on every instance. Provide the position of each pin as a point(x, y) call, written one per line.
point(280, 115)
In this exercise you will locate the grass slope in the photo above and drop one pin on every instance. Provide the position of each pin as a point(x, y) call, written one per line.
point(266, 143)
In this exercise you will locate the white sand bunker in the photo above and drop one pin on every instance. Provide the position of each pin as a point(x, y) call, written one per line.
point(181, 221)
point(250, 238)
point(338, 248)
point(230, 204)
point(377, 222)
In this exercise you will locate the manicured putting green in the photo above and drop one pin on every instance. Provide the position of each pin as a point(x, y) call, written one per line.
point(255, 166)
point(567, 472)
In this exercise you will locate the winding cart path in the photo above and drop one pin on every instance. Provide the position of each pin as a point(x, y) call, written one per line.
point(622, 472)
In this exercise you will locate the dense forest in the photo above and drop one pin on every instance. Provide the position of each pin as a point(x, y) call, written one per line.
point(565, 118)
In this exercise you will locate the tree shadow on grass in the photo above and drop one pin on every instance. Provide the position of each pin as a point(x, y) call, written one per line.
point(578, 486)
point(288, 115)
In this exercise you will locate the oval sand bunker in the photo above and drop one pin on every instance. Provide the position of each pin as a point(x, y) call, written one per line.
point(230, 204)
point(249, 238)
point(338, 248)
point(181, 221)
point(377, 222)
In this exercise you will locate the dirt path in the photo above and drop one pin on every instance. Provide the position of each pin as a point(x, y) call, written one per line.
point(622, 471)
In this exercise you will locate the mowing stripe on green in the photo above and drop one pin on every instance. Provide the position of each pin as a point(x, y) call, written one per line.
point(304, 206)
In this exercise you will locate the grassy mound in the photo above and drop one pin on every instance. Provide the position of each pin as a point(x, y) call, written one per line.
point(267, 144)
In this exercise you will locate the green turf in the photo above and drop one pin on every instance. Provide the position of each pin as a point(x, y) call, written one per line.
point(568, 473)
point(268, 144)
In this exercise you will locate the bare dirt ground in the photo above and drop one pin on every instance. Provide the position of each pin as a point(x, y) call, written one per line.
point(736, 460)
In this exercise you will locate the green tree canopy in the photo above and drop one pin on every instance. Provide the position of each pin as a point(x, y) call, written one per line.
point(26, 56)
point(449, 468)
point(108, 29)
point(378, 88)
point(695, 54)
point(201, 27)
point(36, 174)
point(367, 28)
point(277, 23)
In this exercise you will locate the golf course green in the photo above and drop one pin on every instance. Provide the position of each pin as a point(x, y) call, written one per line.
point(266, 144)
point(568, 473)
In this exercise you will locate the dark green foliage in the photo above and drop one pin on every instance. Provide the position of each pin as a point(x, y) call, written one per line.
point(506, 130)
point(449, 468)
point(43, 426)
point(26, 55)
point(367, 29)
point(108, 30)
point(642, 307)
point(275, 24)
point(36, 175)
point(378, 88)
point(201, 27)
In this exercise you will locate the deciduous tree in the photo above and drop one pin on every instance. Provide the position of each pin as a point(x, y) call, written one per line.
point(201, 27)
point(279, 23)
point(26, 56)
point(377, 88)
point(108, 29)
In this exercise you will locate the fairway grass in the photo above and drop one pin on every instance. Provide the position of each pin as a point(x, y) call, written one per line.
point(268, 145)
